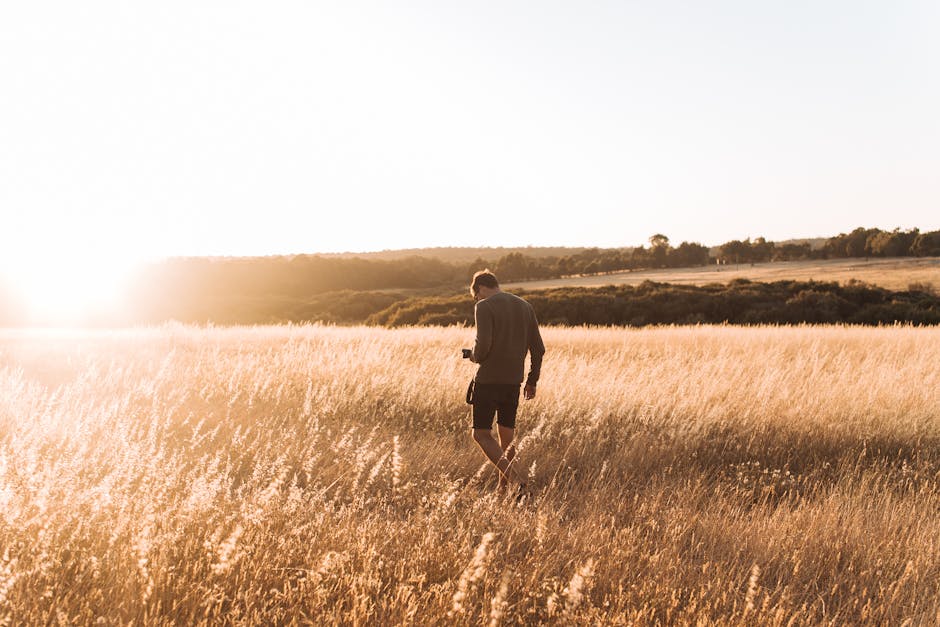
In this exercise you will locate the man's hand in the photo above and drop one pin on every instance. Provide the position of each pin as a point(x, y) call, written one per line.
point(529, 392)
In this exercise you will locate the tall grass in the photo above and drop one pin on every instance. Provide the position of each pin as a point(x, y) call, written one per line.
point(710, 475)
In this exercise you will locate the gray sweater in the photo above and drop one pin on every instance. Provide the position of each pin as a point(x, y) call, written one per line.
point(506, 331)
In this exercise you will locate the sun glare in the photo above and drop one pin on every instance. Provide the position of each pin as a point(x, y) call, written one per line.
point(68, 289)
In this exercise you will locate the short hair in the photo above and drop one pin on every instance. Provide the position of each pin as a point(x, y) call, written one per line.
point(483, 278)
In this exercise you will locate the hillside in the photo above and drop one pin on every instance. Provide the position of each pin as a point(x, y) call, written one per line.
point(464, 254)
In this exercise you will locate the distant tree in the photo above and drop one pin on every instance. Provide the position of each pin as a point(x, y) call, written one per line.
point(659, 249)
point(894, 243)
point(926, 244)
point(640, 258)
point(608, 261)
point(586, 261)
point(476, 265)
point(792, 252)
point(736, 251)
point(511, 267)
point(659, 241)
point(856, 244)
point(566, 265)
point(688, 254)
point(761, 250)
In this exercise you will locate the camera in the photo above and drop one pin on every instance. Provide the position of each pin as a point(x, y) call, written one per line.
point(466, 352)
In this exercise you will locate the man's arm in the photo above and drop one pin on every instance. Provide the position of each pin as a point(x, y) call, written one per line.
point(484, 339)
point(536, 351)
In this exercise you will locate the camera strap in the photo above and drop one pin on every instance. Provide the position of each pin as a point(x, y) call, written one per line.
point(470, 392)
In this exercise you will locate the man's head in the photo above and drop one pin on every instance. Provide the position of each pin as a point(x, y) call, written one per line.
point(483, 285)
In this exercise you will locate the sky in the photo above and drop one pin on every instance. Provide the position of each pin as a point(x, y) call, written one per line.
point(139, 130)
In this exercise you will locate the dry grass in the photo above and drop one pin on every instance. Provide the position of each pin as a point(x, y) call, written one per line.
point(891, 273)
point(692, 475)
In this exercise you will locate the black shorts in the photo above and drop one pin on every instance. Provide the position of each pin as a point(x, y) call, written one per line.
point(501, 400)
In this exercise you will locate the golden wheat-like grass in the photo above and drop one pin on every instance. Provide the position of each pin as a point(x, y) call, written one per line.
point(690, 475)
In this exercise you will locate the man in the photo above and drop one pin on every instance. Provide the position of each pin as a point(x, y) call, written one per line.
point(506, 330)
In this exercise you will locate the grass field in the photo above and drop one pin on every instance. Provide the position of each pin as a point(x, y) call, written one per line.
point(688, 475)
point(892, 273)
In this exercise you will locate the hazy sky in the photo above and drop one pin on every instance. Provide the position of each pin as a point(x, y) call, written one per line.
point(132, 129)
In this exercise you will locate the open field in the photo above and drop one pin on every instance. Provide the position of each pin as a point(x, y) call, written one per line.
point(691, 475)
point(893, 273)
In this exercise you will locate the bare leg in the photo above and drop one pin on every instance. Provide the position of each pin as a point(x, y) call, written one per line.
point(494, 453)
point(509, 451)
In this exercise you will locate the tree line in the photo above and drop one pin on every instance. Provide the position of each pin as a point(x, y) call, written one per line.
point(860, 242)
point(877, 243)
point(201, 280)
point(660, 253)
point(268, 289)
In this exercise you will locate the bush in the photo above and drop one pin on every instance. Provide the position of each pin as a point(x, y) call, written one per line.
point(739, 302)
